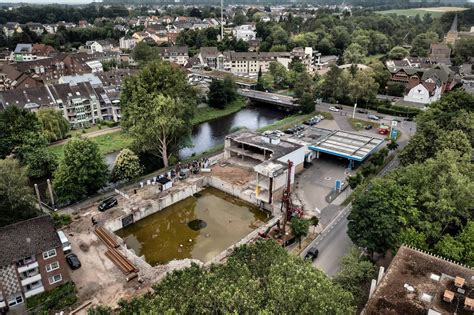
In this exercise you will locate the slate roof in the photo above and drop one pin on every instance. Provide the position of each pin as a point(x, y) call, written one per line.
point(27, 238)
point(27, 98)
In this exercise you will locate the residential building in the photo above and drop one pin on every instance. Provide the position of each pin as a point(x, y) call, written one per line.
point(467, 78)
point(211, 57)
point(31, 261)
point(31, 99)
point(417, 282)
point(11, 28)
point(22, 52)
point(244, 32)
point(35, 28)
point(11, 78)
point(174, 54)
point(440, 53)
point(79, 103)
point(29, 52)
point(127, 43)
point(93, 47)
point(42, 50)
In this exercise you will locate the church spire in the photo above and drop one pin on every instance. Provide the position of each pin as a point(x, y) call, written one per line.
point(454, 26)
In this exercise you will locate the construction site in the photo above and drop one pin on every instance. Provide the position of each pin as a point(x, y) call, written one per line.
point(195, 213)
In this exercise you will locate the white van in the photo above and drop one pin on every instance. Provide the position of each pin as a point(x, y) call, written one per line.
point(65, 242)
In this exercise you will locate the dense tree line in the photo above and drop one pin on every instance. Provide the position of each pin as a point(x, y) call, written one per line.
point(260, 278)
point(428, 201)
point(49, 14)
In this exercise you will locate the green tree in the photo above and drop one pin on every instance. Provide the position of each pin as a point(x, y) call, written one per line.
point(355, 275)
point(451, 248)
point(463, 50)
point(216, 96)
point(143, 53)
point(53, 124)
point(362, 86)
point(379, 157)
point(16, 125)
point(34, 154)
point(257, 278)
point(355, 180)
point(379, 215)
point(21, 136)
point(334, 84)
point(81, 172)
point(392, 145)
point(454, 112)
point(300, 228)
point(158, 105)
point(279, 74)
point(355, 54)
point(16, 198)
point(305, 91)
point(222, 93)
point(398, 53)
point(127, 166)
point(421, 44)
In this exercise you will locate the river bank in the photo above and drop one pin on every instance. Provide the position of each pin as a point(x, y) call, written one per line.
point(118, 139)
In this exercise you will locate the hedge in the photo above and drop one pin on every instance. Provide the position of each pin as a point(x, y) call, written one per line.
point(55, 300)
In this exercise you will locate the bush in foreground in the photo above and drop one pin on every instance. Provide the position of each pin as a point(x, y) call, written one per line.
point(257, 278)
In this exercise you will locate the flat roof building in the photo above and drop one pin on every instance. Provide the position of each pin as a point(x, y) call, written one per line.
point(352, 146)
point(418, 282)
point(267, 156)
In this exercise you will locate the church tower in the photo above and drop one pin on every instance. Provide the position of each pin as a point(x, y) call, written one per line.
point(453, 34)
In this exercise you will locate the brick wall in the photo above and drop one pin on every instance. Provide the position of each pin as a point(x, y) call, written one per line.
point(63, 269)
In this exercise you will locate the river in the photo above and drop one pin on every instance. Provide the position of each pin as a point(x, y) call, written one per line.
point(209, 134)
point(212, 133)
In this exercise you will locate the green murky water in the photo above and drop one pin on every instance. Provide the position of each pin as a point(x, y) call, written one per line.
point(216, 219)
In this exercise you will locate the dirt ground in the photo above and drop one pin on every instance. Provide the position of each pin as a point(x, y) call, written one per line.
point(233, 174)
point(98, 280)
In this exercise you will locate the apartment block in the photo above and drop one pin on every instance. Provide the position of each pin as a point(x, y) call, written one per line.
point(31, 261)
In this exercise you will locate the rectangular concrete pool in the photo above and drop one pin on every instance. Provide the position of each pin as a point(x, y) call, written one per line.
point(198, 227)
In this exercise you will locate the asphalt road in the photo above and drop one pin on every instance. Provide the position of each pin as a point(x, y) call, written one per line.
point(333, 243)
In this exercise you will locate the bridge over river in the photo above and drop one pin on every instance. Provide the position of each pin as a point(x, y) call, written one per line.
point(279, 100)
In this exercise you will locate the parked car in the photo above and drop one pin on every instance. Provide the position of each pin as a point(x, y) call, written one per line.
point(108, 203)
point(368, 127)
point(373, 117)
point(363, 111)
point(309, 122)
point(333, 109)
point(312, 253)
point(339, 107)
point(279, 133)
point(409, 119)
point(321, 117)
point(290, 131)
point(73, 261)
point(275, 98)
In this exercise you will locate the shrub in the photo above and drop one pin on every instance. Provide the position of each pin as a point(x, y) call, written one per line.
point(54, 300)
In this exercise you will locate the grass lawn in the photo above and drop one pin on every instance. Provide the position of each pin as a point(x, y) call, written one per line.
point(87, 130)
point(359, 124)
point(107, 143)
point(208, 113)
point(434, 11)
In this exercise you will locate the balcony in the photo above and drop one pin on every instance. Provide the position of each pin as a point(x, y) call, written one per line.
point(27, 267)
point(31, 279)
point(38, 290)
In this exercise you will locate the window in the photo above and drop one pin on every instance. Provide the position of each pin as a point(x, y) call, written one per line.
point(52, 266)
point(54, 279)
point(49, 254)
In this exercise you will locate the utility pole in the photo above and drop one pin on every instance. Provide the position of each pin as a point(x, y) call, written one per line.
point(38, 196)
point(50, 188)
point(222, 20)
point(286, 200)
point(354, 111)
